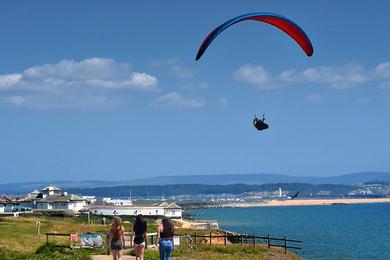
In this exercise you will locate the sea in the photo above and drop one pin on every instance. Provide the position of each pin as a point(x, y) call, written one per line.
point(357, 231)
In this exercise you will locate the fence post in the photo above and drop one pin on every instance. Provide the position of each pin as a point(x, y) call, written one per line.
point(108, 243)
point(269, 245)
point(47, 238)
point(210, 238)
point(195, 238)
point(254, 240)
point(285, 245)
point(242, 239)
point(38, 224)
point(225, 238)
point(151, 239)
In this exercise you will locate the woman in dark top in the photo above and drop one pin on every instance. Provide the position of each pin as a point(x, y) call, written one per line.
point(165, 234)
point(139, 238)
point(117, 238)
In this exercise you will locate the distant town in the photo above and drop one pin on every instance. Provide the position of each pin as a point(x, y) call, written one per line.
point(53, 198)
point(172, 200)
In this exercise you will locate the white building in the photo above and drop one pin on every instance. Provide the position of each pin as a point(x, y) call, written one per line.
point(53, 198)
point(118, 202)
point(51, 190)
point(6, 204)
point(61, 202)
point(2, 207)
point(171, 210)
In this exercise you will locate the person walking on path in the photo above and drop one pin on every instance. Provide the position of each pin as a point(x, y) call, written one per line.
point(116, 238)
point(140, 239)
point(165, 235)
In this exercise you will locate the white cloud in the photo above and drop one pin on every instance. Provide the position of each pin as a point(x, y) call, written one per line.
point(336, 77)
point(254, 75)
point(174, 99)
point(84, 102)
point(383, 70)
point(9, 80)
point(70, 83)
point(143, 80)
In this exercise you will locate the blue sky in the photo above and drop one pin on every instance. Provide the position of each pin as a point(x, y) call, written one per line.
point(111, 91)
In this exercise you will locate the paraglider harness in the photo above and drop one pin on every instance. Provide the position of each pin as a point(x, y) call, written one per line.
point(260, 124)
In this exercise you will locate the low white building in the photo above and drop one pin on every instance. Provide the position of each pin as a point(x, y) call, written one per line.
point(53, 198)
point(6, 204)
point(171, 210)
point(61, 202)
point(118, 202)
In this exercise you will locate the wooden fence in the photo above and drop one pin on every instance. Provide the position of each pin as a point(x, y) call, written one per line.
point(251, 239)
point(254, 240)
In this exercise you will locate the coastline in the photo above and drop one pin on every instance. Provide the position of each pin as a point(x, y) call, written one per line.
point(312, 202)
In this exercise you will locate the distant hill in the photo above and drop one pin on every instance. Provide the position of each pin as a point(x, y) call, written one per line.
point(347, 179)
point(258, 179)
point(156, 191)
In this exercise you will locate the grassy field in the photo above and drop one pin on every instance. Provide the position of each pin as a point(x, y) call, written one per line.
point(19, 240)
point(230, 252)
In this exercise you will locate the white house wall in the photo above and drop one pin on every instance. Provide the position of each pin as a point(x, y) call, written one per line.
point(134, 211)
point(27, 204)
point(174, 213)
point(74, 205)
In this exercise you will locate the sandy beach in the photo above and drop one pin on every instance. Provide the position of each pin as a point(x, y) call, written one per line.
point(314, 202)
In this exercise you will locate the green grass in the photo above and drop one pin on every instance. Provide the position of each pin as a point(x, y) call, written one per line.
point(153, 253)
point(230, 252)
point(19, 240)
point(49, 251)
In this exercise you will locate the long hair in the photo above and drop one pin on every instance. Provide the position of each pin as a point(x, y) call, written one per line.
point(168, 227)
point(140, 226)
point(116, 226)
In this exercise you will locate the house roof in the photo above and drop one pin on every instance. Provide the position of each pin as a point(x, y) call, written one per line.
point(61, 198)
point(5, 199)
point(138, 206)
point(51, 187)
point(173, 206)
point(28, 198)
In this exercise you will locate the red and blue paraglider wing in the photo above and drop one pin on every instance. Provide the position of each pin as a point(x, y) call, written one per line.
point(284, 24)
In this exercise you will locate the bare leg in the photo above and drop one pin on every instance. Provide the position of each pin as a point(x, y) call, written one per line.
point(136, 249)
point(119, 254)
point(141, 251)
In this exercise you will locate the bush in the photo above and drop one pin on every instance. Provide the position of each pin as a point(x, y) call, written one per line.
point(7, 254)
point(52, 250)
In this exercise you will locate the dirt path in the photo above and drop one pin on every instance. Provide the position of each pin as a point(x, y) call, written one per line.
point(109, 257)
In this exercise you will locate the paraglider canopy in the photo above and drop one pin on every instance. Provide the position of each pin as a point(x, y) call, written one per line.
point(283, 23)
point(260, 124)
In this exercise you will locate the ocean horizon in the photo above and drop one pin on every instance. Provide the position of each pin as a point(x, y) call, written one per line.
point(360, 231)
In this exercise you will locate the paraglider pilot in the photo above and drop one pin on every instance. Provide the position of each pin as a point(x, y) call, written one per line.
point(260, 124)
